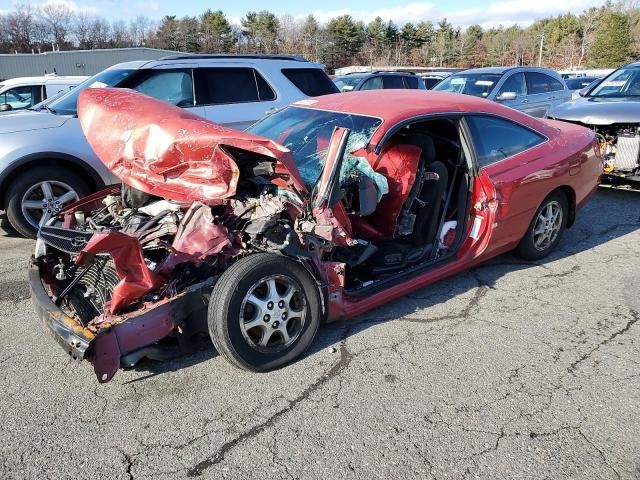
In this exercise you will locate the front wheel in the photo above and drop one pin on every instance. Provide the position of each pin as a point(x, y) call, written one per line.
point(546, 228)
point(264, 312)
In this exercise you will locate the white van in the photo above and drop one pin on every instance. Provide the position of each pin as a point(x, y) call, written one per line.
point(25, 92)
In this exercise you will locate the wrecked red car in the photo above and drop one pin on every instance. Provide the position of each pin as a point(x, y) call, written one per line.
point(319, 212)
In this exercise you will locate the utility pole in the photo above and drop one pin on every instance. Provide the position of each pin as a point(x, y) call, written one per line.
point(540, 54)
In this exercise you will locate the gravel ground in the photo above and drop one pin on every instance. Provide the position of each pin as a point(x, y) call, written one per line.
point(511, 370)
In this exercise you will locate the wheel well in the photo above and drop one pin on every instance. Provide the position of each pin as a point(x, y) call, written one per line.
point(570, 194)
point(75, 165)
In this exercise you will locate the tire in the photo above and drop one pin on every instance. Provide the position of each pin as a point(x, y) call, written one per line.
point(531, 247)
point(232, 312)
point(60, 179)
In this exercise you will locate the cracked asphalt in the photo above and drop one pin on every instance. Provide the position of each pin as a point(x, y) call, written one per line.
point(512, 370)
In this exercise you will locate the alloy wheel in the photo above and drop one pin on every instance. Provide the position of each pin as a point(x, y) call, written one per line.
point(45, 199)
point(547, 225)
point(272, 314)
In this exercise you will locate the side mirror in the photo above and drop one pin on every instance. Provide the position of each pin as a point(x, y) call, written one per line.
point(347, 88)
point(583, 92)
point(507, 96)
point(5, 107)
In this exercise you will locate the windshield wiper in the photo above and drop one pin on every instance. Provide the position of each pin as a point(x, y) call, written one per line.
point(47, 108)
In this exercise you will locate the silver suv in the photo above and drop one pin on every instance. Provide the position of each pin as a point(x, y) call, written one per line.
point(531, 90)
point(46, 163)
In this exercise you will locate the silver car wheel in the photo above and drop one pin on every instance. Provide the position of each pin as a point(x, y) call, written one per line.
point(45, 199)
point(273, 313)
point(547, 225)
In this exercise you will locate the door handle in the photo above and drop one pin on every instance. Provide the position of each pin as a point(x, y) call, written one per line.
point(525, 101)
point(271, 110)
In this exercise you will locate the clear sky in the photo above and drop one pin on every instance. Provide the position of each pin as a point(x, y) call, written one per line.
point(460, 12)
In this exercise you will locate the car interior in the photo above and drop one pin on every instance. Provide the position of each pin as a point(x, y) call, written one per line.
point(422, 218)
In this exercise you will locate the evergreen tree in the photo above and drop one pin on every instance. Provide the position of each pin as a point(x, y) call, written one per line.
point(612, 43)
point(217, 31)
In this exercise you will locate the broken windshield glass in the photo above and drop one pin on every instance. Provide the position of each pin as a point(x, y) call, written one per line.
point(306, 133)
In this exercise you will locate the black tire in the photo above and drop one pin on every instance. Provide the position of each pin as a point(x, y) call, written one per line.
point(227, 300)
point(21, 184)
point(527, 249)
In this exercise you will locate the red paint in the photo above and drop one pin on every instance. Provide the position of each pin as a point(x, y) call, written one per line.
point(166, 151)
point(136, 278)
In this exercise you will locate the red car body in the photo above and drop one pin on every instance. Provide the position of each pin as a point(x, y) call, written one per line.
point(164, 151)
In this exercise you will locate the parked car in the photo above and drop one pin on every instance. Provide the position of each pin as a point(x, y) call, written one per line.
point(576, 84)
point(46, 163)
point(25, 92)
point(528, 89)
point(611, 108)
point(378, 80)
point(319, 212)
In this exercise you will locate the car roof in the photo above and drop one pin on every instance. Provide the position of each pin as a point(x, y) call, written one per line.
point(394, 106)
point(288, 61)
point(503, 70)
point(375, 72)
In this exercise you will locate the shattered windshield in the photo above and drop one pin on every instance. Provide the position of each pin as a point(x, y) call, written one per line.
point(307, 132)
point(624, 82)
point(476, 84)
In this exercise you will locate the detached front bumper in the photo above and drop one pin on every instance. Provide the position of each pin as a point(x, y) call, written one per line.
point(123, 334)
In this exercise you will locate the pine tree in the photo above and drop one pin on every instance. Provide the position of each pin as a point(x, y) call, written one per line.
point(612, 44)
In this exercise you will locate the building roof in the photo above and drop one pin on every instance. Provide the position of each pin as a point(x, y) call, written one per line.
point(72, 62)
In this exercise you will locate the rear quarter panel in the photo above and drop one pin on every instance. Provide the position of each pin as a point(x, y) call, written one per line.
point(567, 159)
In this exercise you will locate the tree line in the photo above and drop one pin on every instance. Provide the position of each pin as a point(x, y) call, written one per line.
point(597, 37)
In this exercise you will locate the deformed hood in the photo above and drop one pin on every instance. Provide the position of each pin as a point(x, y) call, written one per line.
point(167, 151)
point(599, 110)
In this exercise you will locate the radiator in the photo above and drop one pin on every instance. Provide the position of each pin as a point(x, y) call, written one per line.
point(628, 152)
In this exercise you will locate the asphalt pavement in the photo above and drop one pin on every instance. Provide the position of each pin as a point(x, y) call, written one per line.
point(513, 370)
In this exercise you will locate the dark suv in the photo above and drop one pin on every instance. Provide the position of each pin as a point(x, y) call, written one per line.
point(377, 81)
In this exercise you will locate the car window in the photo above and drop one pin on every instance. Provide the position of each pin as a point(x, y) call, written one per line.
point(313, 82)
point(429, 83)
point(217, 86)
point(374, 83)
point(22, 97)
point(392, 81)
point(476, 84)
point(172, 86)
point(306, 132)
point(621, 83)
point(410, 82)
point(541, 83)
point(346, 84)
point(515, 83)
point(67, 104)
point(496, 139)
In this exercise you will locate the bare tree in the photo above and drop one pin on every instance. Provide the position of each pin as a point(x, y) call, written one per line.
point(58, 18)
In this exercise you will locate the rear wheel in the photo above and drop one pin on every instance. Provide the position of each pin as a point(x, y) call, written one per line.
point(264, 312)
point(38, 194)
point(546, 228)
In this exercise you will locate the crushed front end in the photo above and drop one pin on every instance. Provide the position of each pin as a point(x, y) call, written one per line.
point(620, 148)
point(122, 274)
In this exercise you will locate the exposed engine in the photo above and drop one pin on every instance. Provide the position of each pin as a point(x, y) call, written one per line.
point(113, 254)
point(620, 148)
